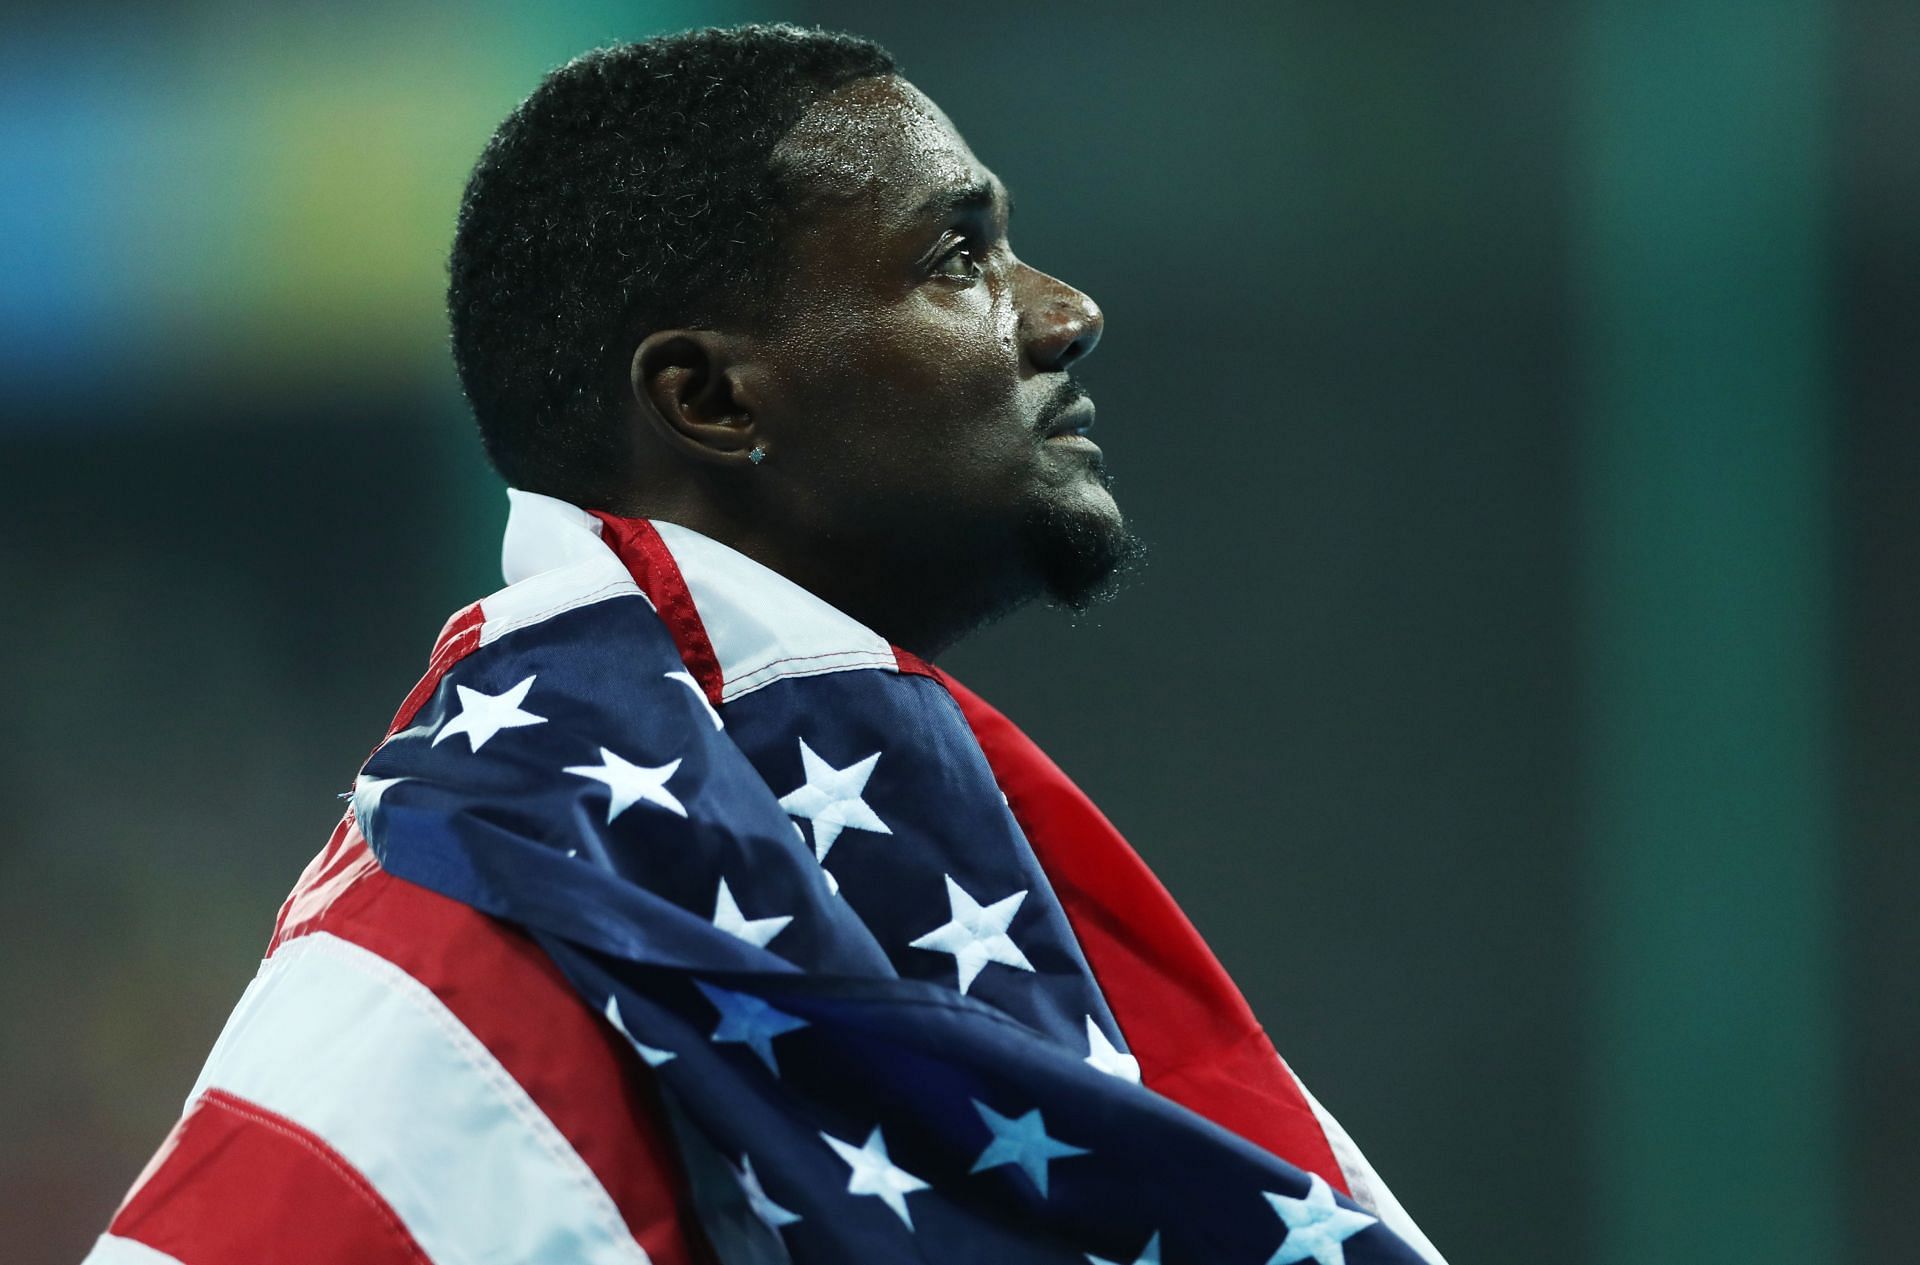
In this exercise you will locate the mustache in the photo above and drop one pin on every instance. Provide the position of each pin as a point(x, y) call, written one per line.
point(1065, 396)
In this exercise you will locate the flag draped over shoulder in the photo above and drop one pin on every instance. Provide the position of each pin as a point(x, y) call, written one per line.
point(902, 992)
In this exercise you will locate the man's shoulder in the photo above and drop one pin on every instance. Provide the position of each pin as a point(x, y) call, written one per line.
point(592, 598)
point(586, 580)
point(419, 1080)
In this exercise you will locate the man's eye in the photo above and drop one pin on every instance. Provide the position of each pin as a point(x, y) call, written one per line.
point(960, 262)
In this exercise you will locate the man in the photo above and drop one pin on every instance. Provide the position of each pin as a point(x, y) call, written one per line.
point(686, 912)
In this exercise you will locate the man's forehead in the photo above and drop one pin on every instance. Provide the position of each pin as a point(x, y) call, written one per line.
point(883, 144)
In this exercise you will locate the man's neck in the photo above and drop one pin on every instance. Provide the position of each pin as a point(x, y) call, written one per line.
point(922, 602)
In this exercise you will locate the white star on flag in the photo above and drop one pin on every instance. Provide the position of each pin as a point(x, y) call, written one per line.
point(976, 934)
point(1104, 1056)
point(686, 679)
point(1021, 1141)
point(875, 1174)
point(833, 884)
point(653, 1056)
point(1317, 1227)
point(630, 784)
point(749, 1021)
point(727, 917)
point(771, 1214)
point(484, 715)
point(831, 799)
point(1149, 1255)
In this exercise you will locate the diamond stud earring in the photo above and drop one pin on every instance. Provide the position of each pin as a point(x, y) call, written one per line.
point(758, 455)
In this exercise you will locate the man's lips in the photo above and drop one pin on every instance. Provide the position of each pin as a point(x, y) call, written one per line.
point(1074, 420)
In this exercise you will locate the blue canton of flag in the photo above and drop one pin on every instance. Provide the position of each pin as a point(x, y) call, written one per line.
point(814, 917)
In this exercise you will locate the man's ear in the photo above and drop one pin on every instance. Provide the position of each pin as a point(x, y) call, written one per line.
point(687, 387)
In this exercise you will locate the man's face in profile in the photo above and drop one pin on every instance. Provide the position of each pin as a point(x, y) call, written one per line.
point(917, 372)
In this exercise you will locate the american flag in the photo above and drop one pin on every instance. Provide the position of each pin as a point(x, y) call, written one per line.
point(681, 917)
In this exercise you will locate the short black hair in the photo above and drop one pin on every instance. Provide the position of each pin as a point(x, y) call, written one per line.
point(632, 191)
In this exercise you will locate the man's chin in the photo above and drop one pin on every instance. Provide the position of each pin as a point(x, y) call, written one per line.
point(1082, 550)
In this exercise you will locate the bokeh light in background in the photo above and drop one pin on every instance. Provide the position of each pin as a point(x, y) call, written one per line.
point(248, 192)
point(1520, 401)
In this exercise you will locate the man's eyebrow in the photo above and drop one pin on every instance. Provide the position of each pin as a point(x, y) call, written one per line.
point(980, 195)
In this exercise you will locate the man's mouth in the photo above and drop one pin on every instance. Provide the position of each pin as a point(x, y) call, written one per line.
point(1072, 422)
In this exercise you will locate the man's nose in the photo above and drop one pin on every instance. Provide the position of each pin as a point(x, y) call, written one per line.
point(1059, 322)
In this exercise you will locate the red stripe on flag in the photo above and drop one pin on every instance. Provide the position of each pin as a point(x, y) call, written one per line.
point(236, 1184)
point(508, 993)
point(635, 542)
point(343, 862)
point(1197, 1041)
point(910, 664)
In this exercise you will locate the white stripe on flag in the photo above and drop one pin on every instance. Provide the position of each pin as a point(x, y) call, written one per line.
point(762, 625)
point(358, 1052)
point(540, 598)
point(111, 1249)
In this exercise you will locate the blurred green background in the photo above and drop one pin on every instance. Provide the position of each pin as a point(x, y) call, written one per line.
point(1520, 401)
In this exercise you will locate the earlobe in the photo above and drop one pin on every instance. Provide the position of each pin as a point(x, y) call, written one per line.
point(685, 385)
